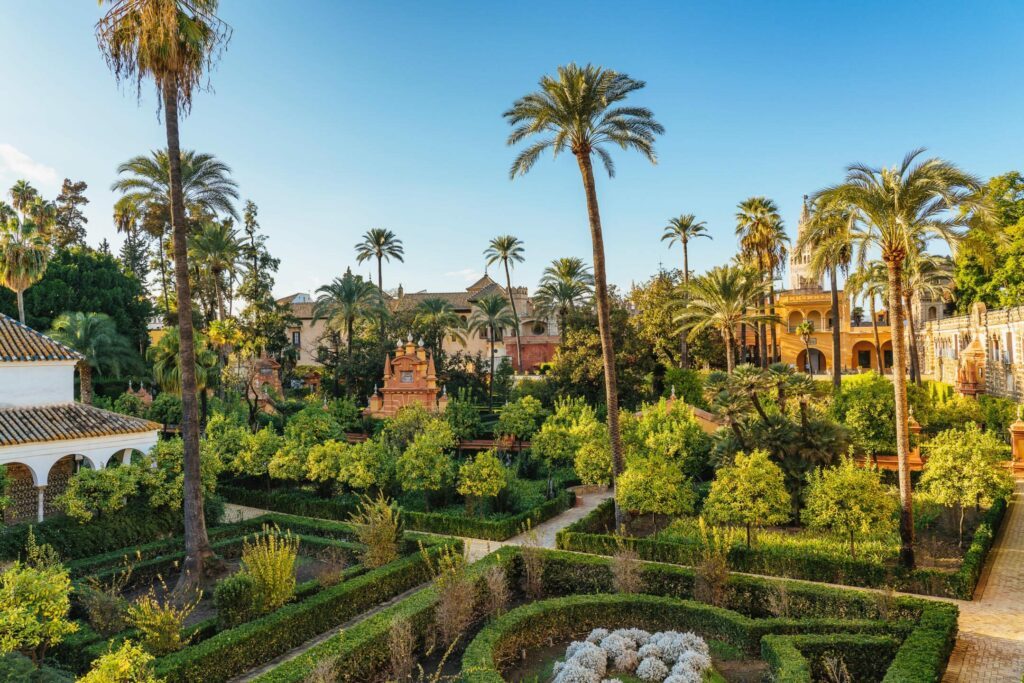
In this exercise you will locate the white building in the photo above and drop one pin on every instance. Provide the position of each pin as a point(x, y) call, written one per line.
point(45, 435)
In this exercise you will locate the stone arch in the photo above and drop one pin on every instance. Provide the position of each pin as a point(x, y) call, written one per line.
point(814, 317)
point(887, 357)
point(794, 320)
point(933, 313)
point(57, 479)
point(22, 492)
point(863, 356)
point(818, 361)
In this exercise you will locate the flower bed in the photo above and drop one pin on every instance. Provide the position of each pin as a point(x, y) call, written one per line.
point(909, 642)
point(587, 536)
point(310, 505)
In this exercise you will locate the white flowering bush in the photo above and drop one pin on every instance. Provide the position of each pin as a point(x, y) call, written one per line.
point(663, 657)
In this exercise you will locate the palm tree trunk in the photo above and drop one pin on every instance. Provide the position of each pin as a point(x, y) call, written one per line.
point(380, 274)
point(837, 369)
point(743, 343)
point(197, 544)
point(163, 275)
point(603, 323)
point(219, 294)
point(899, 383)
point(85, 382)
point(727, 338)
point(684, 358)
point(515, 316)
point(348, 371)
point(915, 359)
point(878, 339)
point(771, 310)
point(21, 305)
point(490, 377)
point(762, 341)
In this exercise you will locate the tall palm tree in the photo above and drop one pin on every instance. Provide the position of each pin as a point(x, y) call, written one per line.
point(871, 281)
point(828, 234)
point(899, 210)
point(435, 319)
point(145, 187)
point(380, 244)
point(343, 302)
point(565, 285)
point(490, 315)
point(22, 195)
point(23, 257)
point(174, 43)
point(508, 250)
point(217, 247)
point(581, 110)
point(763, 242)
point(722, 299)
point(95, 336)
point(806, 331)
point(682, 229)
point(165, 357)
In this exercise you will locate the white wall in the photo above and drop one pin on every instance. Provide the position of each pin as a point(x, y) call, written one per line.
point(40, 457)
point(36, 383)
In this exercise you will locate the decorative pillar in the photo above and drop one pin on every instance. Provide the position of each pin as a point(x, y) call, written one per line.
point(41, 505)
point(914, 427)
point(1017, 437)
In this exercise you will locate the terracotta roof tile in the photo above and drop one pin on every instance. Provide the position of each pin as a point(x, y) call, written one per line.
point(65, 421)
point(21, 343)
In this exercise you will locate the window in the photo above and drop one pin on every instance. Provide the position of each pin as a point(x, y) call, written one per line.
point(406, 377)
point(296, 338)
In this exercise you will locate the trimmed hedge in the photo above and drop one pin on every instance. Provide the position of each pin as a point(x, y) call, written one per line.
point(587, 536)
point(924, 631)
point(237, 650)
point(309, 505)
point(799, 658)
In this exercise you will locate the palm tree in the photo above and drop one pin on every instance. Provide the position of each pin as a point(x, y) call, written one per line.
point(174, 42)
point(342, 303)
point(722, 299)
point(22, 195)
point(436, 319)
point(507, 250)
point(871, 281)
point(580, 110)
point(380, 244)
point(805, 330)
point(218, 248)
point(23, 257)
point(565, 285)
point(682, 229)
point(898, 210)
point(95, 336)
point(490, 315)
point(763, 243)
point(827, 233)
point(165, 357)
point(145, 187)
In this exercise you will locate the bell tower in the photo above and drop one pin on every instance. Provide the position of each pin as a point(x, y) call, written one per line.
point(800, 274)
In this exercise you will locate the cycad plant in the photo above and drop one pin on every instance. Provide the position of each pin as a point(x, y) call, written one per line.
point(898, 210)
point(682, 229)
point(95, 336)
point(581, 110)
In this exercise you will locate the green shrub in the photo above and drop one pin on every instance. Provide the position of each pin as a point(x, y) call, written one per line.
point(270, 560)
point(379, 528)
point(235, 599)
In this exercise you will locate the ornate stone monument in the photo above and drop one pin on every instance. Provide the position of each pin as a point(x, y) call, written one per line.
point(409, 378)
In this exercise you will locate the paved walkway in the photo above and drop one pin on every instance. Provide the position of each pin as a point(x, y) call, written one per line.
point(990, 647)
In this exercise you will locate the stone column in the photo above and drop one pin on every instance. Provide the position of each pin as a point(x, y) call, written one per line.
point(914, 427)
point(41, 506)
point(1017, 438)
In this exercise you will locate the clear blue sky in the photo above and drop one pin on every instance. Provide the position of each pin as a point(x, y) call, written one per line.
point(341, 116)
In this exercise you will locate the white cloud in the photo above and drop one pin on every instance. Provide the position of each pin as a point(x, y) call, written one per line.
point(17, 165)
point(467, 274)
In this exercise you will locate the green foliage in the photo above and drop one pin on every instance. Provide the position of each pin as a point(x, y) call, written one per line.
point(463, 416)
point(520, 419)
point(866, 405)
point(346, 413)
point(688, 385)
point(34, 606)
point(5, 487)
point(964, 468)
point(98, 492)
point(654, 485)
point(270, 560)
point(667, 432)
point(482, 477)
point(425, 464)
point(258, 450)
point(400, 430)
point(161, 473)
point(129, 404)
point(849, 500)
point(130, 663)
point(165, 409)
point(751, 493)
point(378, 523)
point(83, 279)
point(17, 668)
point(160, 622)
point(235, 599)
